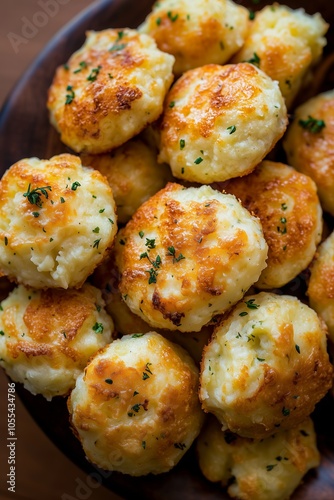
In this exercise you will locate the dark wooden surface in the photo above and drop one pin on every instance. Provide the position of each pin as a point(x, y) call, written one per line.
point(25, 131)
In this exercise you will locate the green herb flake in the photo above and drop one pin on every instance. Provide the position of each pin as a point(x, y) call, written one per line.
point(137, 335)
point(260, 359)
point(75, 185)
point(251, 15)
point(284, 206)
point(312, 124)
point(158, 21)
point(232, 129)
point(35, 214)
point(270, 467)
point(150, 243)
point(198, 160)
point(34, 195)
point(303, 433)
point(180, 446)
point(254, 60)
point(145, 376)
point(122, 242)
point(153, 276)
point(108, 381)
point(6, 240)
point(101, 210)
point(96, 243)
point(82, 65)
point(182, 143)
point(71, 94)
point(94, 74)
point(297, 348)
point(98, 328)
point(2, 332)
point(172, 104)
point(285, 411)
point(141, 234)
point(96, 230)
point(251, 304)
point(243, 313)
point(62, 200)
point(143, 443)
point(172, 17)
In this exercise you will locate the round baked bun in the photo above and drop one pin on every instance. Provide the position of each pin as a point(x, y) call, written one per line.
point(320, 287)
point(285, 44)
point(270, 468)
point(197, 32)
point(57, 221)
point(266, 366)
point(309, 144)
point(136, 409)
point(48, 336)
point(109, 90)
point(288, 207)
point(188, 254)
point(133, 173)
point(219, 122)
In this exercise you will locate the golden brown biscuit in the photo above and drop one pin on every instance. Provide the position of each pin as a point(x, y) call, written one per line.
point(309, 144)
point(288, 207)
point(271, 468)
point(266, 366)
point(188, 254)
point(47, 336)
point(285, 44)
point(197, 32)
point(57, 221)
point(219, 122)
point(133, 173)
point(136, 408)
point(109, 90)
point(321, 284)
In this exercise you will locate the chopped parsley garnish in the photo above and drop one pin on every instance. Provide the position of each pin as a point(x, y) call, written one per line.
point(232, 129)
point(158, 21)
point(150, 243)
point(182, 143)
point(254, 60)
point(172, 104)
point(285, 411)
point(108, 381)
point(34, 195)
point(270, 467)
point(141, 234)
point(94, 74)
point(251, 304)
point(137, 335)
point(2, 332)
point(180, 446)
point(172, 253)
point(96, 243)
point(198, 160)
point(96, 230)
point(243, 313)
point(75, 185)
point(251, 15)
point(312, 124)
point(35, 214)
point(71, 94)
point(82, 65)
point(98, 327)
point(172, 17)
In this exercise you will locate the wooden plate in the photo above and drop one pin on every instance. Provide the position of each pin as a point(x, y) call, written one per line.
point(25, 132)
